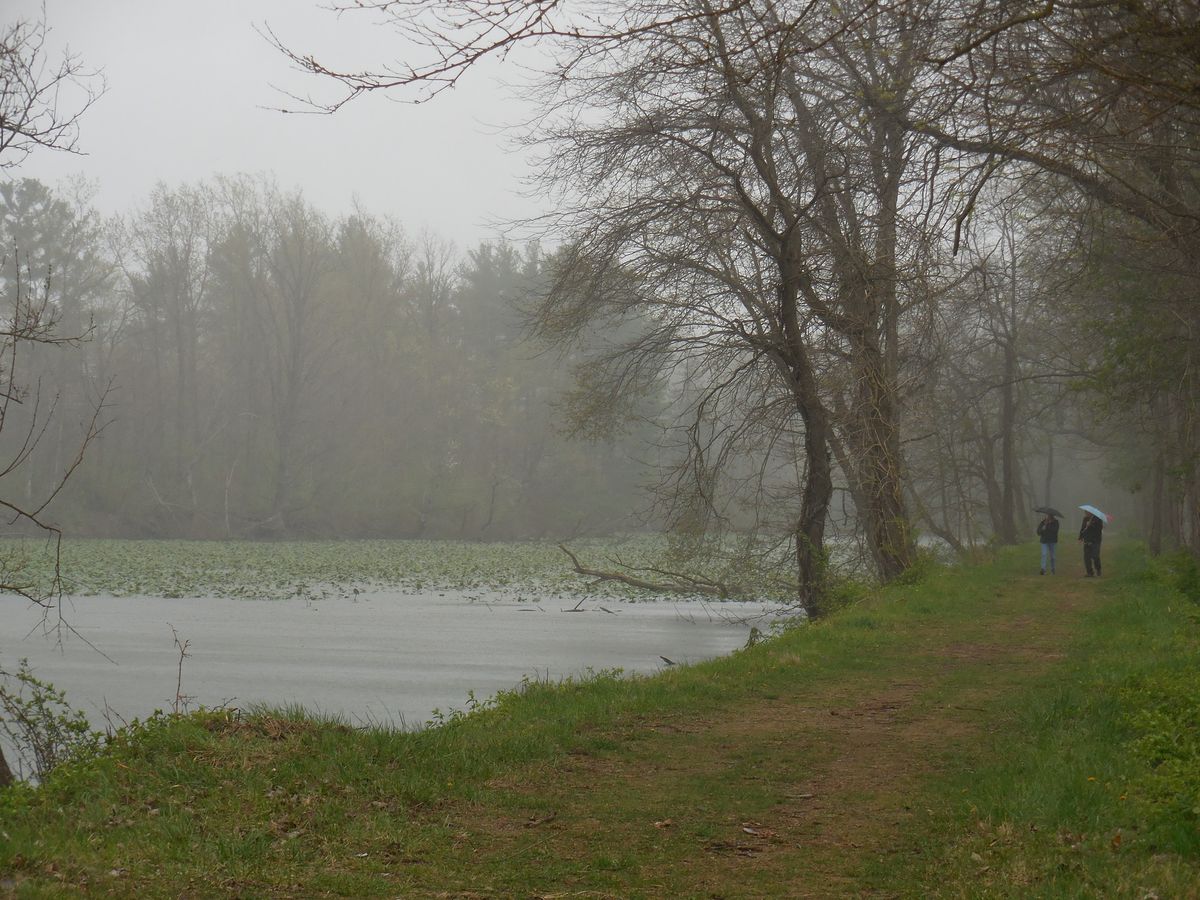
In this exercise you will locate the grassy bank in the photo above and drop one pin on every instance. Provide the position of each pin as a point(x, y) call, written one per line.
point(982, 733)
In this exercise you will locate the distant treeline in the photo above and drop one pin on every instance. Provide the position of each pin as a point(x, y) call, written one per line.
point(264, 369)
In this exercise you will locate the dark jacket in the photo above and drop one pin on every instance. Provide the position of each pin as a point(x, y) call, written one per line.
point(1048, 531)
point(1092, 530)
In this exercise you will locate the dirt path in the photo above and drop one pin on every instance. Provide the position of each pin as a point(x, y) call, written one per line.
point(809, 793)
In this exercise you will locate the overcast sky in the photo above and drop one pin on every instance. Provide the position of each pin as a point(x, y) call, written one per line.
point(187, 86)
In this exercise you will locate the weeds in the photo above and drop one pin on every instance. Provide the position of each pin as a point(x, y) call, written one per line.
point(1183, 573)
point(1165, 720)
point(40, 725)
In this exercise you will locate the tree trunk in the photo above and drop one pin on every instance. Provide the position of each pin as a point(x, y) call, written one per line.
point(1008, 453)
point(875, 441)
point(1192, 502)
point(1047, 487)
point(6, 775)
point(940, 530)
point(1156, 506)
point(814, 510)
point(817, 490)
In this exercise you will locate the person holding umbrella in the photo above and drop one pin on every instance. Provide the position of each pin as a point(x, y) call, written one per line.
point(1047, 531)
point(1090, 533)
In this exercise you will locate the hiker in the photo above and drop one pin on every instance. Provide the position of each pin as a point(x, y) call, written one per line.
point(1048, 534)
point(1090, 533)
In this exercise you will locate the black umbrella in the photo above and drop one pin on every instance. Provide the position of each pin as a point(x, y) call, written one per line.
point(1048, 510)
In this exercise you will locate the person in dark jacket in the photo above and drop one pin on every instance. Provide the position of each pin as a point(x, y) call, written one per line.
point(1090, 534)
point(1048, 534)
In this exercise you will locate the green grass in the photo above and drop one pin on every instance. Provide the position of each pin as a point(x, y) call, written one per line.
point(976, 733)
point(1069, 796)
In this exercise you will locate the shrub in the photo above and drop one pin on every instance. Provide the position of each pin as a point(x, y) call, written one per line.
point(925, 565)
point(40, 725)
point(1185, 574)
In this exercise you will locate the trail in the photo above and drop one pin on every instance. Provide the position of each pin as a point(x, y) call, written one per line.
point(827, 763)
point(819, 788)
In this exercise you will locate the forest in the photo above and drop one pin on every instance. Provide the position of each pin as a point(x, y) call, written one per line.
point(262, 370)
point(873, 276)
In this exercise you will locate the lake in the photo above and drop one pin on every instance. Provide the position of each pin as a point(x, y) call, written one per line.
point(382, 657)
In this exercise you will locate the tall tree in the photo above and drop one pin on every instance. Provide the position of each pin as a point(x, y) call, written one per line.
point(774, 125)
point(764, 209)
point(53, 242)
point(168, 249)
point(31, 118)
point(1101, 96)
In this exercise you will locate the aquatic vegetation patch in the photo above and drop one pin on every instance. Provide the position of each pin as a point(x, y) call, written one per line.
point(322, 569)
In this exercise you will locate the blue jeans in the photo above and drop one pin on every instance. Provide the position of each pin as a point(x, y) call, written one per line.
point(1048, 558)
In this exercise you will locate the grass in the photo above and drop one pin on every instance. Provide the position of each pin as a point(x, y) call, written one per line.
point(978, 733)
point(1072, 794)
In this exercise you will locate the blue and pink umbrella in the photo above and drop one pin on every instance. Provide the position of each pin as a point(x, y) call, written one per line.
point(1104, 517)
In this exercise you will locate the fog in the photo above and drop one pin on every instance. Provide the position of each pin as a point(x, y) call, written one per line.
point(192, 91)
point(781, 301)
point(302, 326)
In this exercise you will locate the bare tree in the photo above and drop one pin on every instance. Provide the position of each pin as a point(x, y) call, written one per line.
point(167, 264)
point(1102, 96)
point(1099, 94)
point(450, 38)
point(751, 160)
point(31, 118)
point(274, 262)
point(735, 173)
point(30, 322)
point(32, 86)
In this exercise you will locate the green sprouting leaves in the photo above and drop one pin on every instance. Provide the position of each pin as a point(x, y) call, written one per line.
point(39, 723)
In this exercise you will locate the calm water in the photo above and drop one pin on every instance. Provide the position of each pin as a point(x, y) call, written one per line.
point(384, 657)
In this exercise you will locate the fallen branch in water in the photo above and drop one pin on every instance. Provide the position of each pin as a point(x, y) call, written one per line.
point(683, 584)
